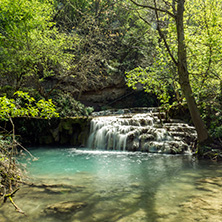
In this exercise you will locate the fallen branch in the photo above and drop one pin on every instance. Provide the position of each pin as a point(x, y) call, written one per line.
point(9, 196)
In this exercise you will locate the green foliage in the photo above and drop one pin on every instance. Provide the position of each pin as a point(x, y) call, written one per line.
point(112, 40)
point(202, 27)
point(217, 133)
point(204, 44)
point(160, 76)
point(25, 105)
point(153, 82)
point(67, 106)
point(211, 113)
point(32, 49)
point(44, 41)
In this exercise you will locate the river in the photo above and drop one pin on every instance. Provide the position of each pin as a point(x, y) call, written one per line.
point(93, 185)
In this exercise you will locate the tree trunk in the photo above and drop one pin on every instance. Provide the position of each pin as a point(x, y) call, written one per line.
point(220, 96)
point(184, 76)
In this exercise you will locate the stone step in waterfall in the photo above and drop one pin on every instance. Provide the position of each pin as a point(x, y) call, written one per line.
point(131, 131)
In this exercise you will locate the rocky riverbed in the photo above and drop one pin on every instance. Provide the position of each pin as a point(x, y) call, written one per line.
point(205, 206)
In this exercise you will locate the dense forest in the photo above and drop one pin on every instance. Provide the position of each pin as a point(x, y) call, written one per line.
point(60, 50)
point(55, 52)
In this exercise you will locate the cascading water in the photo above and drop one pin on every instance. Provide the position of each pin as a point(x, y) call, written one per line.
point(139, 132)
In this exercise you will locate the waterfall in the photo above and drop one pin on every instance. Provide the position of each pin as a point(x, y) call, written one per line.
point(139, 132)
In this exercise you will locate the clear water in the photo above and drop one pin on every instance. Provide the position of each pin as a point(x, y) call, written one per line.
point(115, 186)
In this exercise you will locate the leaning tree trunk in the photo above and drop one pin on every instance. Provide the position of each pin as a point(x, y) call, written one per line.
point(184, 76)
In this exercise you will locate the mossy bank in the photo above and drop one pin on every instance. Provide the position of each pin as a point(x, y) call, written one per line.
point(71, 131)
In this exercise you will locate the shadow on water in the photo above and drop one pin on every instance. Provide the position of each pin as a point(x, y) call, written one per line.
point(159, 171)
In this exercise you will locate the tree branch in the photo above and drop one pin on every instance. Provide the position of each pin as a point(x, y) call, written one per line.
point(9, 196)
point(153, 8)
point(162, 35)
point(143, 19)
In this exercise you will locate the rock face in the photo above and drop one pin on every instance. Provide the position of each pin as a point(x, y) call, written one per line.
point(103, 96)
point(96, 91)
point(144, 131)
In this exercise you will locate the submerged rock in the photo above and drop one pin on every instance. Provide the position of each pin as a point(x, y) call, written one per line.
point(64, 207)
point(58, 190)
